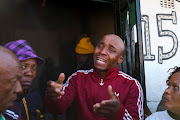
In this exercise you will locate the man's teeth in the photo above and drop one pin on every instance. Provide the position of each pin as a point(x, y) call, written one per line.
point(101, 60)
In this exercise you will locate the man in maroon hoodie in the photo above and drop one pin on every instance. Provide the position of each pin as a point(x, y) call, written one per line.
point(102, 92)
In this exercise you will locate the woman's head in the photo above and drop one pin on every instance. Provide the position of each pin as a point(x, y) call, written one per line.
point(29, 61)
point(172, 93)
point(29, 70)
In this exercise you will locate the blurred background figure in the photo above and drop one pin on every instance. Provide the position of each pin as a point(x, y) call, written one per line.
point(84, 54)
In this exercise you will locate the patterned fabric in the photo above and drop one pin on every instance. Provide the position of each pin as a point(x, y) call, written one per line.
point(12, 114)
point(23, 50)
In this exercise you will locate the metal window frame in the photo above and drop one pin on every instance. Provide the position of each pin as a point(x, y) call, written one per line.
point(118, 9)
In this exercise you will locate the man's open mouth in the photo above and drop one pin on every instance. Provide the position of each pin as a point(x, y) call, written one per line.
point(101, 60)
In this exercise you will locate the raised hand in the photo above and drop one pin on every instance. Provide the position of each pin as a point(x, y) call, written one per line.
point(107, 108)
point(54, 89)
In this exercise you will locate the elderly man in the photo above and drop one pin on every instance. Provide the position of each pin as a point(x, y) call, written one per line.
point(102, 92)
point(10, 75)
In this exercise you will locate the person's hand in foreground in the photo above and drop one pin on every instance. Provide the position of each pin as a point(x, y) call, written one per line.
point(108, 108)
point(54, 89)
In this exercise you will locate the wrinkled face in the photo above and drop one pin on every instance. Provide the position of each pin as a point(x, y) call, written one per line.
point(108, 53)
point(29, 67)
point(172, 94)
point(10, 86)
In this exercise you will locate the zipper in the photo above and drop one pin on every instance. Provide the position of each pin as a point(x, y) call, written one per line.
point(101, 83)
point(26, 109)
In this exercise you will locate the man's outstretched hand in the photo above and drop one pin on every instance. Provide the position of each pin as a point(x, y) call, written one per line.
point(54, 89)
point(107, 108)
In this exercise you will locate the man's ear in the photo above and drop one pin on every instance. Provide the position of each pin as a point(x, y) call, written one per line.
point(120, 60)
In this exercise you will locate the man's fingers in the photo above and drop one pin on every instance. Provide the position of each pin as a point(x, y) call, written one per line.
point(96, 106)
point(110, 92)
point(61, 78)
point(55, 86)
point(108, 108)
point(49, 83)
point(54, 89)
point(109, 102)
point(102, 111)
point(54, 95)
point(104, 105)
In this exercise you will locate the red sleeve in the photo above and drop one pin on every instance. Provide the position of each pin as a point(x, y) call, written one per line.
point(133, 107)
point(63, 103)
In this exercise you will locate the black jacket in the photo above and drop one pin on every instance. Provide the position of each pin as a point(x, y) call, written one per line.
point(34, 106)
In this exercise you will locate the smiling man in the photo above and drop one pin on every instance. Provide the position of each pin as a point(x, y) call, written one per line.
point(10, 76)
point(102, 92)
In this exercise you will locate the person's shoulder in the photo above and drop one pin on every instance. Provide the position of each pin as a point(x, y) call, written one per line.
point(81, 72)
point(85, 71)
point(154, 116)
point(127, 78)
point(129, 81)
point(161, 115)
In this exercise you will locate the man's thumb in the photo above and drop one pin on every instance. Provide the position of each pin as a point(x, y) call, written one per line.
point(61, 78)
point(110, 92)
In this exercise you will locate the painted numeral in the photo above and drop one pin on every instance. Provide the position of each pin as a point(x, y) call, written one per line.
point(147, 56)
point(163, 33)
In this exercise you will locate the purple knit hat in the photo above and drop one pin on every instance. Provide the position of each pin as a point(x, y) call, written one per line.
point(23, 50)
